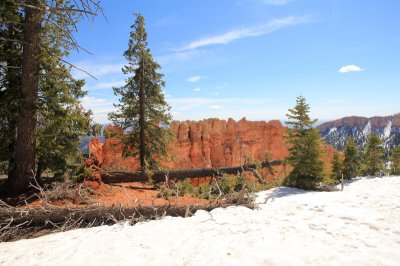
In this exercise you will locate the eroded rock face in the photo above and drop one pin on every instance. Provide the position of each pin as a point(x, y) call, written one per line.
point(206, 143)
point(95, 147)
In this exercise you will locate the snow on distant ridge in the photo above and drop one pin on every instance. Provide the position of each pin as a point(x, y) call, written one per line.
point(387, 130)
point(359, 226)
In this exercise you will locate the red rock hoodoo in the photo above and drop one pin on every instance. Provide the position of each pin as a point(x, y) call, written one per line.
point(207, 143)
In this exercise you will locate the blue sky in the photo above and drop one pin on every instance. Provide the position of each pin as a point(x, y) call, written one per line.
point(252, 58)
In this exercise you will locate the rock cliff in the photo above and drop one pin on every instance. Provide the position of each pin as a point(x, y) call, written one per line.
point(207, 143)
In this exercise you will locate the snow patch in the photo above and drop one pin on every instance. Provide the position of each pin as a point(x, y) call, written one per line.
point(332, 130)
point(367, 129)
point(387, 130)
point(358, 226)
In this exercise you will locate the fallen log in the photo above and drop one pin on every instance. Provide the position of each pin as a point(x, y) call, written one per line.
point(162, 176)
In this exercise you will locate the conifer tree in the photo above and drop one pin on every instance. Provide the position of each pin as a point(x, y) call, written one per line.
point(10, 80)
point(44, 38)
point(336, 167)
point(61, 117)
point(142, 109)
point(304, 147)
point(373, 157)
point(351, 162)
point(395, 161)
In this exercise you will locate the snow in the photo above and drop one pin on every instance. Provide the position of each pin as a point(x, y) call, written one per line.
point(358, 226)
point(367, 129)
point(387, 130)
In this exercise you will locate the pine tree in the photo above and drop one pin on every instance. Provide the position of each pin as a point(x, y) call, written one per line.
point(373, 157)
point(304, 147)
point(336, 167)
point(10, 80)
point(395, 161)
point(61, 118)
point(142, 109)
point(351, 162)
point(44, 38)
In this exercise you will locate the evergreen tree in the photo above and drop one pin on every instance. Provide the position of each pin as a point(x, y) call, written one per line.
point(43, 92)
point(10, 80)
point(61, 118)
point(336, 167)
point(351, 162)
point(373, 156)
point(304, 147)
point(395, 161)
point(142, 109)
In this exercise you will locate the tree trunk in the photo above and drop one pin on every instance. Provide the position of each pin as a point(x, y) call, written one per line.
point(161, 176)
point(142, 140)
point(24, 159)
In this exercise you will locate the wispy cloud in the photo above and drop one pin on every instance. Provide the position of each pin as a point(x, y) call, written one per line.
point(96, 69)
point(350, 68)
point(194, 79)
point(197, 90)
point(246, 32)
point(109, 85)
point(216, 107)
point(184, 104)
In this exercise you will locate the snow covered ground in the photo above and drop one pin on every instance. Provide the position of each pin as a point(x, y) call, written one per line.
point(359, 226)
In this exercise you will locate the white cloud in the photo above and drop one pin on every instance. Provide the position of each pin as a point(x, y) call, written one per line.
point(194, 79)
point(197, 90)
point(216, 107)
point(100, 107)
point(96, 69)
point(109, 85)
point(244, 32)
point(350, 68)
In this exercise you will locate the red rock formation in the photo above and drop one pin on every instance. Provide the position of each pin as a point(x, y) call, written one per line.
point(95, 147)
point(215, 143)
point(206, 143)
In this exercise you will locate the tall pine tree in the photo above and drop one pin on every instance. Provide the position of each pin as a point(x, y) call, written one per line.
point(395, 161)
point(351, 162)
point(304, 147)
point(373, 157)
point(142, 110)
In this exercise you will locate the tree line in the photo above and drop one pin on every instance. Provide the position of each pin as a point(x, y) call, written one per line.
point(305, 153)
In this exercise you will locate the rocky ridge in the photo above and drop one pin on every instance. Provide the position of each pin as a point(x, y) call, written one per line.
point(387, 128)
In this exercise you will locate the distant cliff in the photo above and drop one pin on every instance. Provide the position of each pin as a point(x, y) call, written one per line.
point(386, 127)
